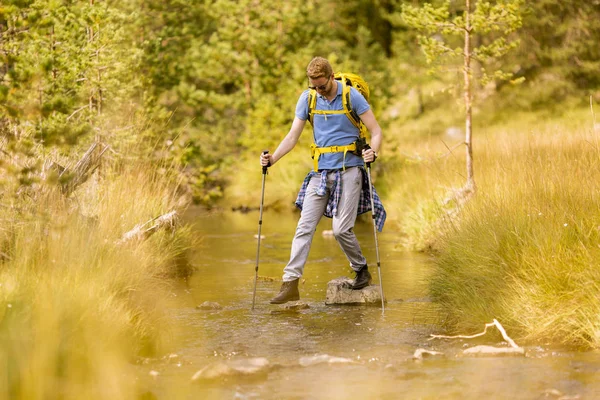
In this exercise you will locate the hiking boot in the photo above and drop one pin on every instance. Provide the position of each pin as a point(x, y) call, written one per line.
point(288, 292)
point(362, 280)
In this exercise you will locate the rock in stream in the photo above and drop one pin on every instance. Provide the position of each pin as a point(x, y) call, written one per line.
point(339, 292)
point(243, 367)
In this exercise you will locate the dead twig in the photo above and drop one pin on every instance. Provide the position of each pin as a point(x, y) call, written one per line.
point(450, 150)
point(495, 323)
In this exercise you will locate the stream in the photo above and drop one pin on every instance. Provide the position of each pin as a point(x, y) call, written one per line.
point(332, 352)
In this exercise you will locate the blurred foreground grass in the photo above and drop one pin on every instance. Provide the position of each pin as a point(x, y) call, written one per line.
point(76, 307)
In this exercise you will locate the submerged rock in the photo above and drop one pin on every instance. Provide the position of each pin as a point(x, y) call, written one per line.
point(323, 359)
point(422, 353)
point(490, 351)
point(209, 305)
point(242, 367)
point(291, 308)
point(261, 278)
point(339, 292)
point(296, 306)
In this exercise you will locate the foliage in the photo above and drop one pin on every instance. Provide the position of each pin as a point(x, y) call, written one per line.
point(209, 84)
point(217, 81)
point(558, 39)
point(230, 65)
point(76, 306)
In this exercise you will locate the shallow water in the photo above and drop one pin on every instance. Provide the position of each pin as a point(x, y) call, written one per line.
point(376, 349)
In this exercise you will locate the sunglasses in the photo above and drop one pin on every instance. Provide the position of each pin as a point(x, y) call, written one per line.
point(322, 87)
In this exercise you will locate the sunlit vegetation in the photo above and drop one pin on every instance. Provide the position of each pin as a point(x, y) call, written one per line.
point(184, 95)
point(78, 305)
point(524, 250)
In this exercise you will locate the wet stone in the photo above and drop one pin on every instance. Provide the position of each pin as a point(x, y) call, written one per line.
point(422, 353)
point(209, 305)
point(244, 367)
point(296, 306)
point(491, 351)
point(291, 308)
point(323, 359)
point(339, 292)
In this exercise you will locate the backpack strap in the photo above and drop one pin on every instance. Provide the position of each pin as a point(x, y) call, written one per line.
point(312, 104)
point(350, 112)
point(346, 104)
point(316, 152)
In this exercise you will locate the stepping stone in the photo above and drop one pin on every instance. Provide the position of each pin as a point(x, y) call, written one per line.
point(339, 292)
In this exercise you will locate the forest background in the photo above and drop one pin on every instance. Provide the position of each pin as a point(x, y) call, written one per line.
point(211, 83)
point(186, 95)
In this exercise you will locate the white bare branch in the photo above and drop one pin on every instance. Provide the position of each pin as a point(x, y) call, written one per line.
point(495, 323)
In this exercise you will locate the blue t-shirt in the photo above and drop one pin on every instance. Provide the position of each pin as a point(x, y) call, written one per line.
point(334, 129)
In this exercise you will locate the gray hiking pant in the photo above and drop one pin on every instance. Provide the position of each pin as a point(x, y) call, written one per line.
point(343, 223)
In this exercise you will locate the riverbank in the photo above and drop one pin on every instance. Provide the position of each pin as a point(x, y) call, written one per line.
point(78, 304)
point(524, 250)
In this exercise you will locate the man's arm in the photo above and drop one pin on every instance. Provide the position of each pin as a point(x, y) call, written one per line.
point(286, 145)
point(368, 118)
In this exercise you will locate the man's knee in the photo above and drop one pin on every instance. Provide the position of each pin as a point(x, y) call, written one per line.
point(305, 228)
point(341, 232)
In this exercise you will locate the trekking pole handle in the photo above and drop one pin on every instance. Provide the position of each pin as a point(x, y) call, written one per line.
point(264, 168)
point(367, 147)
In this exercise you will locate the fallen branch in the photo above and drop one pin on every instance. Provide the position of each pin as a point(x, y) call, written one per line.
point(85, 167)
point(165, 221)
point(495, 323)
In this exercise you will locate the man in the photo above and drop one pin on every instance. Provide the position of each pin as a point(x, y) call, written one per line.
point(338, 168)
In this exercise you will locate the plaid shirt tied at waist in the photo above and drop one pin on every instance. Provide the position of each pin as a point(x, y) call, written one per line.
point(364, 202)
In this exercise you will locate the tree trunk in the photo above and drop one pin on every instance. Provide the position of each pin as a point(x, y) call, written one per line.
point(470, 186)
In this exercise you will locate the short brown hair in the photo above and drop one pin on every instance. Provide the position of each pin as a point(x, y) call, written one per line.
point(318, 68)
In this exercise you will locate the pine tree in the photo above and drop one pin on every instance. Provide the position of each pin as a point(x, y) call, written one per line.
point(492, 21)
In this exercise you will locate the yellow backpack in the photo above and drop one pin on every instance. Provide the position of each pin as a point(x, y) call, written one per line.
point(347, 80)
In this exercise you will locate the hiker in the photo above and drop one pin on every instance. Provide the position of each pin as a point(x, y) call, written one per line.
point(338, 183)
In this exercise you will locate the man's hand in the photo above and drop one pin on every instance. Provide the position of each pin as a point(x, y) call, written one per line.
point(369, 155)
point(266, 160)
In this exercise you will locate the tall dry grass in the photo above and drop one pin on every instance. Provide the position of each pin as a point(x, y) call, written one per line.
point(525, 249)
point(76, 307)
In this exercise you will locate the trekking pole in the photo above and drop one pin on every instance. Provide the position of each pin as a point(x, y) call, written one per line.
point(375, 232)
point(262, 200)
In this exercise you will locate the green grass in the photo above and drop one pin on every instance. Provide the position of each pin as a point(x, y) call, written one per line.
point(76, 307)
